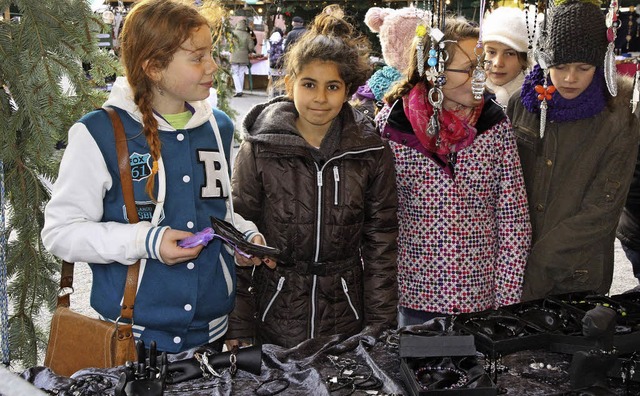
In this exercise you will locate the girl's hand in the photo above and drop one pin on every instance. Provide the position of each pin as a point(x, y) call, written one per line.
point(253, 260)
point(171, 253)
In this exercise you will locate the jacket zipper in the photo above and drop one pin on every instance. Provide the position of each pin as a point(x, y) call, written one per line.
point(346, 293)
point(319, 172)
point(319, 183)
point(313, 306)
point(336, 179)
point(278, 289)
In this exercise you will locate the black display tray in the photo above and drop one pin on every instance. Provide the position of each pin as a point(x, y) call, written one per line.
point(630, 302)
point(415, 345)
point(627, 332)
point(500, 332)
point(415, 389)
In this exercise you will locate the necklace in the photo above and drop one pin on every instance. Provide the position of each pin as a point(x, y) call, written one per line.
point(531, 28)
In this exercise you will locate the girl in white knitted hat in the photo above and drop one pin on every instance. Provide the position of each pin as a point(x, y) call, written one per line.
point(505, 46)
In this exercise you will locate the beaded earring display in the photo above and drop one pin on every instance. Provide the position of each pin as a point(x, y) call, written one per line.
point(629, 35)
point(436, 60)
point(479, 74)
point(531, 27)
point(612, 23)
point(544, 91)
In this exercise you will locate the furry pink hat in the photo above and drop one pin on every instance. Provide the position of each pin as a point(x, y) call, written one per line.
point(396, 30)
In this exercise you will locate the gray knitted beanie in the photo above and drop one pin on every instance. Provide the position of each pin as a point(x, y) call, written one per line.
point(576, 33)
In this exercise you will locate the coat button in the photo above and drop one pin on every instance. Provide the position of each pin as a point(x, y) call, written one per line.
point(549, 162)
point(190, 224)
point(188, 307)
point(186, 178)
point(177, 340)
point(539, 207)
point(190, 266)
point(180, 137)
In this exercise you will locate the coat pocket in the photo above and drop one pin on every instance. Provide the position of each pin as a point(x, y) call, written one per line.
point(273, 298)
point(345, 288)
point(585, 275)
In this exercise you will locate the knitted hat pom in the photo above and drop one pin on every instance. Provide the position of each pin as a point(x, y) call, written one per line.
point(396, 29)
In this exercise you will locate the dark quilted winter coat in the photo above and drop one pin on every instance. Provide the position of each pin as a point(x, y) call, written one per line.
point(332, 212)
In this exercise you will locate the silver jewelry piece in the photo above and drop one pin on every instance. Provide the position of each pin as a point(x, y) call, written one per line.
point(544, 105)
point(435, 99)
point(207, 370)
point(610, 70)
point(420, 58)
point(479, 74)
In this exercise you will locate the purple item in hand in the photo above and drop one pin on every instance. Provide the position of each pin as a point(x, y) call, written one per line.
point(199, 238)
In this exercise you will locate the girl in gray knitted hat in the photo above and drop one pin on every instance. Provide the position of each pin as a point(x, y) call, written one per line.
point(578, 145)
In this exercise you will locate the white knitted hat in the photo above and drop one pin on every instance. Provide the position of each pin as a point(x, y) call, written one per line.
point(506, 25)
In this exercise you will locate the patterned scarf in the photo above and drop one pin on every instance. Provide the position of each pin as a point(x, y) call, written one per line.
point(455, 133)
point(589, 103)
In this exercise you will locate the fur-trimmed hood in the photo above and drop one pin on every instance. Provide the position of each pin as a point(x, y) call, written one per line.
point(622, 101)
point(274, 123)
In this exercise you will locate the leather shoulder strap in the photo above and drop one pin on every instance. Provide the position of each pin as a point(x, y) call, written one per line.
point(130, 203)
point(66, 274)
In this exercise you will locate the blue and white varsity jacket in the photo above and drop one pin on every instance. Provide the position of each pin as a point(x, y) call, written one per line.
point(178, 306)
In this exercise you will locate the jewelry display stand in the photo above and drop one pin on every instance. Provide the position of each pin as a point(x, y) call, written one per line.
point(436, 358)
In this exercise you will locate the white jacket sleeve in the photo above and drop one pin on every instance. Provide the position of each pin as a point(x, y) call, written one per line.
point(73, 230)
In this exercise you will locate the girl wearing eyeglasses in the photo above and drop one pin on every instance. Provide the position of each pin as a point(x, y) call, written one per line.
point(463, 224)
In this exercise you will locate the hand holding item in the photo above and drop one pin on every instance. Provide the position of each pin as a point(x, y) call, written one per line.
point(170, 249)
point(247, 253)
point(242, 260)
point(199, 238)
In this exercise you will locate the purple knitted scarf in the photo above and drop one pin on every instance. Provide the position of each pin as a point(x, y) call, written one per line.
point(589, 103)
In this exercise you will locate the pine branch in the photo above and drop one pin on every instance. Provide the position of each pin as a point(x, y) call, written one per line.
point(45, 47)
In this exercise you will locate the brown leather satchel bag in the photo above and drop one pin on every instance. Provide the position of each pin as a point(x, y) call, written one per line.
point(77, 341)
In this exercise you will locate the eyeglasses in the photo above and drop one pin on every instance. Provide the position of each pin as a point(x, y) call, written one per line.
point(486, 65)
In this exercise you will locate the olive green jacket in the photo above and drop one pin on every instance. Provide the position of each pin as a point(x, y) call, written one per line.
point(577, 178)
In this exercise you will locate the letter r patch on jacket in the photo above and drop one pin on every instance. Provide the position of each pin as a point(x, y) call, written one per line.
point(214, 185)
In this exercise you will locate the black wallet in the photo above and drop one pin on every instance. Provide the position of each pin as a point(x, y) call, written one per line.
point(235, 238)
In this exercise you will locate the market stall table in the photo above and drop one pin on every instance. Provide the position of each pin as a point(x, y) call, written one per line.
point(309, 369)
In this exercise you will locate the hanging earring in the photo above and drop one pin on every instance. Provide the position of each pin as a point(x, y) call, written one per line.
point(479, 74)
point(612, 23)
point(436, 77)
point(421, 31)
point(545, 92)
point(160, 90)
